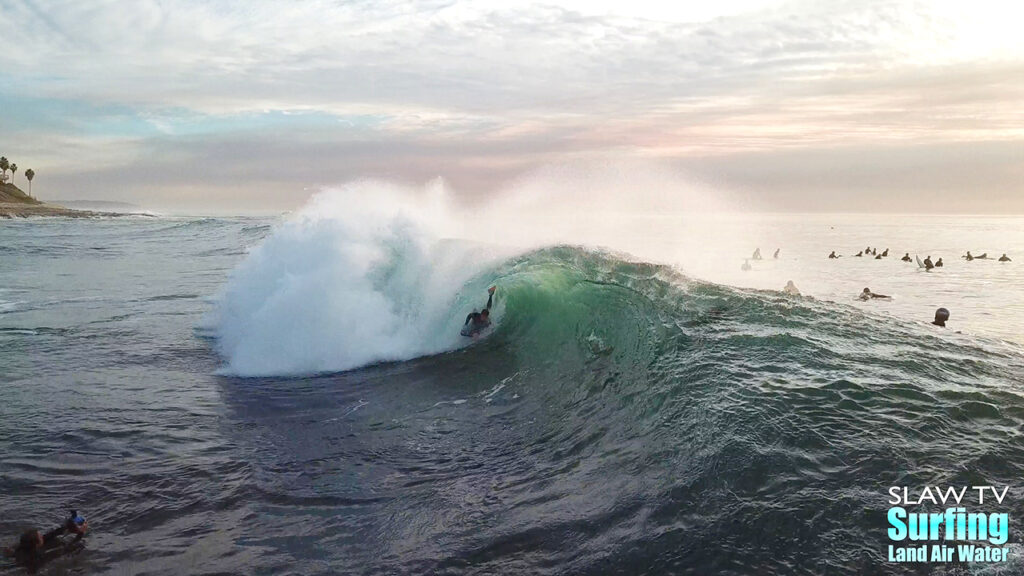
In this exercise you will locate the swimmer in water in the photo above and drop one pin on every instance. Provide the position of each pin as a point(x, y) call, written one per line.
point(1004, 258)
point(791, 289)
point(941, 315)
point(867, 294)
point(35, 548)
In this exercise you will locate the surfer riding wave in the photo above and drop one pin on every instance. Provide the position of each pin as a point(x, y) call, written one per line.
point(477, 322)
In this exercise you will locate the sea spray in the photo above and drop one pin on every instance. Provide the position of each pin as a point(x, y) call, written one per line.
point(374, 271)
point(357, 276)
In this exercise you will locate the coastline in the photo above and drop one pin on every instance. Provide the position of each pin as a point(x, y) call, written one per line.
point(11, 210)
point(14, 203)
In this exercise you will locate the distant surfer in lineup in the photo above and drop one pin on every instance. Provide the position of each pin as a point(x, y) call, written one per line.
point(776, 255)
point(938, 263)
point(941, 315)
point(928, 265)
point(968, 257)
point(867, 294)
point(791, 289)
point(1004, 258)
point(885, 254)
point(832, 255)
point(746, 265)
point(878, 256)
point(907, 258)
point(757, 254)
point(859, 254)
point(477, 322)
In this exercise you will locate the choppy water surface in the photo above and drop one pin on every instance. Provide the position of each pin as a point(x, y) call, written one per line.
point(622, 419)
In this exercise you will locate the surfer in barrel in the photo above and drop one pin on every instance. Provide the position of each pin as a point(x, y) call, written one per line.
point(477, 322)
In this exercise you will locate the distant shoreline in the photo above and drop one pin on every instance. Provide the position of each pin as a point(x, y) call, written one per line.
point(11, 210)
point(14, 203)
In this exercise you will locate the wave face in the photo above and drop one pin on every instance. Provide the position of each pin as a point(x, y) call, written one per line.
point(621, 417)
point(625, 419)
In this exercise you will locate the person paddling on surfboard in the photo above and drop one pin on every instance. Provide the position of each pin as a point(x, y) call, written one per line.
point(476, 322)
point(867, 294)
point(35, 548)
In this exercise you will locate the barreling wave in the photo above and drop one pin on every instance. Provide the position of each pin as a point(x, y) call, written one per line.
point(333, 290)
point(621, 414)
point(348, 282)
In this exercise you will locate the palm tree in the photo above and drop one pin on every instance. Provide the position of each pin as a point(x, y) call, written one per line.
point(4, 165)
point(30, 174)
point(14, 169)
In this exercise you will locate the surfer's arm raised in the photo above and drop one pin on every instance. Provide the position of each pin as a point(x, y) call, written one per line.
point(490, 296)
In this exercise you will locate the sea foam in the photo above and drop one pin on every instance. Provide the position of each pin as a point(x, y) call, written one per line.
point(358, 276)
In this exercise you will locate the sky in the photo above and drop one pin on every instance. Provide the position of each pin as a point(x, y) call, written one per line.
point(783, 105)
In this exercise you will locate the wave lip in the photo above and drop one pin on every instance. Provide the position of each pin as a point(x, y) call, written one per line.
point(344, 284)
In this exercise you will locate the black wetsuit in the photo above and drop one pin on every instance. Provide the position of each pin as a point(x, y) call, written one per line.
point(479, 322)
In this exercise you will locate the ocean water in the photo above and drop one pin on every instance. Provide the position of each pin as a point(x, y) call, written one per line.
point(291, 396)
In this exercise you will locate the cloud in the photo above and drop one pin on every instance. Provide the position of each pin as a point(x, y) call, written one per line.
point(138, 93)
